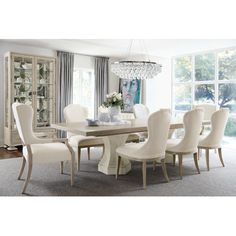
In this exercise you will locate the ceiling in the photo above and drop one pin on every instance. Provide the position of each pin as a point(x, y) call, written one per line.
point(120, 47)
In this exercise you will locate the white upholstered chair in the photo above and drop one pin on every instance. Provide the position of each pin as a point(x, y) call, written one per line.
point(36, 150)
point(188, 145)
point(77, 113)
point(208, 109)
point(214, 138)
point(151, 150)
point(140, 111)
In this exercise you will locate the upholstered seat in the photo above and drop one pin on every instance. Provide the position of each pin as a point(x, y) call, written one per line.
point(151, 150)
point(214, 138)
point(133, 151)
point(36, 150)
point(48, 152)
point(172, 142)
point(83, 141)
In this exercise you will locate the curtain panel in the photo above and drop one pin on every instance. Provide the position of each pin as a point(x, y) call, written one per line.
point(101, 72)
point(65, 68)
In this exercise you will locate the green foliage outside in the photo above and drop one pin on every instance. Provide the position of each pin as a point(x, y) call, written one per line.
point(205, 93)
point(230, 129)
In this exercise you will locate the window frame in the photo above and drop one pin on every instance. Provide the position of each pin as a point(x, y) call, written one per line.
point(88, 70)
point(216, 82)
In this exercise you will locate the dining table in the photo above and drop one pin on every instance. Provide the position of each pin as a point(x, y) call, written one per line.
point(114, 135)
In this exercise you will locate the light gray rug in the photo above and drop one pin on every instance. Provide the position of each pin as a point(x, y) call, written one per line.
point(47, 181)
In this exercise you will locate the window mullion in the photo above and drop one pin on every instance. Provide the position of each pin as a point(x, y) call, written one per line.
point(193, 81)
point(216, 78)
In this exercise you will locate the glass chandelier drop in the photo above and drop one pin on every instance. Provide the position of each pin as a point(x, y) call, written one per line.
point(134, 69)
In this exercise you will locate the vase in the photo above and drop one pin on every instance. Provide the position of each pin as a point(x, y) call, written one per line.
point(114, 113)
point(104, 117)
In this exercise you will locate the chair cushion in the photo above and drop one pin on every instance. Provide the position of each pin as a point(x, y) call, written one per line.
point(131, 151)
point(172, 142)
point(174, 147)
point(205, 142)
point(83, 141)
point(49, 152)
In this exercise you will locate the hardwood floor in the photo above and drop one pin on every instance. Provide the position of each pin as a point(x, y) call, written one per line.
point(5, 154)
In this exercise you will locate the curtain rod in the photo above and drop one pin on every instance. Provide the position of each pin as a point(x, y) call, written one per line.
point(81, 54)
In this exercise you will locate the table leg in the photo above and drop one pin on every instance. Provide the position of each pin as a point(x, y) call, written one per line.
point(108, 163)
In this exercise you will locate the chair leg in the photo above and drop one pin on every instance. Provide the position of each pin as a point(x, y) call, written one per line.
point(207, 159)
point(144, 172)
point(180, 157)
point(199, 153)
point(88, 149)
point(163, 165)
point(22, 168)
point(29, 165)
point(103, 150)
point(72, 172)
point(154, 166)
point(174, 159)
point(195, 157)
point(61, 167)
point(79, 155)
point(118, 167)
point(221, 157)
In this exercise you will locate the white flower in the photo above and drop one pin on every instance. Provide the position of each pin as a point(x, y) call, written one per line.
point(119, 96)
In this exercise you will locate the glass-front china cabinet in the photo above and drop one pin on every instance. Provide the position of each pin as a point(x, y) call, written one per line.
point(29, 80)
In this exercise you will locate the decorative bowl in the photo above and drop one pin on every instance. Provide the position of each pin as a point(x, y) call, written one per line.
point(92, 122)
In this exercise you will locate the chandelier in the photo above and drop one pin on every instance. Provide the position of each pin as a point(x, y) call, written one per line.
point(135, 69)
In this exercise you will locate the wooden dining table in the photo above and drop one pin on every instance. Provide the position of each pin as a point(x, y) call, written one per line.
point(114, 136)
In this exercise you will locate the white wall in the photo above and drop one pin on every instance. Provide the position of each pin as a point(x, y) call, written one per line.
point(84, 62)
point(156, 91)
point(6, 47)
point(113, 79)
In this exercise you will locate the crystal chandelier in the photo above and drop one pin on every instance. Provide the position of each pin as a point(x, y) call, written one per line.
point(135, 69)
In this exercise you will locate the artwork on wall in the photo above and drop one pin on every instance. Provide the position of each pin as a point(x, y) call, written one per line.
point(131, 91)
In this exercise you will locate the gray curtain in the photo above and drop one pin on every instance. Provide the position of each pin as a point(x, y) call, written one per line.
point(65, 66)
point(101, 72)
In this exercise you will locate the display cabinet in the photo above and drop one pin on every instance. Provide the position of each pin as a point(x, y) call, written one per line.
point(30, 80)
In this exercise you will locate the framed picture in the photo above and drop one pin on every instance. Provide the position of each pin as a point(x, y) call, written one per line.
point(131, 92)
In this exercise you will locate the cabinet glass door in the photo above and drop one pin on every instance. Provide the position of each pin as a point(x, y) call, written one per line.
point(44, 92)
point(22, 82)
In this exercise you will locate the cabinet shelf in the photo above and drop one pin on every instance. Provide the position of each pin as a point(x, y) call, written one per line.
point(24, 75)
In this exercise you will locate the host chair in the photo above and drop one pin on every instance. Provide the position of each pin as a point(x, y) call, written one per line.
point(76, 113)
point(151, 150)
point(214, 138)
point(188, 145)
point(36, 150)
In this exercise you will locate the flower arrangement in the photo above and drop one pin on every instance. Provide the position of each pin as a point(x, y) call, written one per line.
point(113, 99)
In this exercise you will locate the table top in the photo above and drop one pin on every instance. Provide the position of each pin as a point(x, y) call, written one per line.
point(134, 126)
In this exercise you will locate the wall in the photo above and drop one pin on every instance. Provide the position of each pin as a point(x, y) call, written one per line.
point(113, 79)
point(6, 47)
point(84, 62)
point(156, 91)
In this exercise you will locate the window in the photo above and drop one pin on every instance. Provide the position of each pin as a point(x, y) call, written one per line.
point(206, 78)
point(83, 89)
